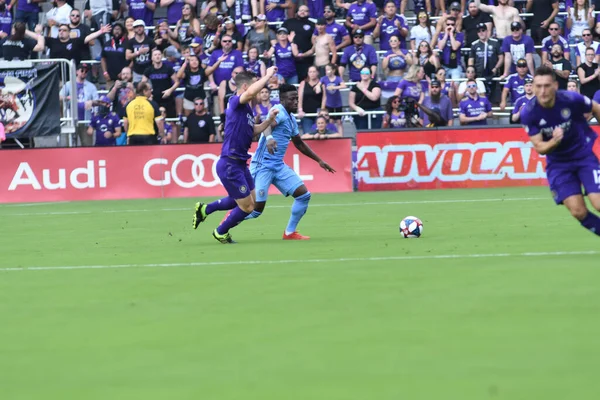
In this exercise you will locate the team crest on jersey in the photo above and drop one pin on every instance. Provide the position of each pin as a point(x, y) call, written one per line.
point(306, 27)
point(261, 192)
point(243, 189)
point(335, 30)
point(481, 103)
point(69, 46)
point(201, 123)
point(565, 113)
point(364, 9)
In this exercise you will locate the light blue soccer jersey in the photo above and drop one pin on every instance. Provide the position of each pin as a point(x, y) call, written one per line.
point(286, 128)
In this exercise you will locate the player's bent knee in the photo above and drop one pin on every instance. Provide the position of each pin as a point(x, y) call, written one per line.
point(304, 198)
point(579, 212)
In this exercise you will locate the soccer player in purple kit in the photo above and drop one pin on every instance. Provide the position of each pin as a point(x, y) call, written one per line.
point(557, 126)
point(232, 167)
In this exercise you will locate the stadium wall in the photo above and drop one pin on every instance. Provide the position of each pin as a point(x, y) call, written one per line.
point(134, 172)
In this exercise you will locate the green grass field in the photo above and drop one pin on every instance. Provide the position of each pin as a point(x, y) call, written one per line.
point(123, 300)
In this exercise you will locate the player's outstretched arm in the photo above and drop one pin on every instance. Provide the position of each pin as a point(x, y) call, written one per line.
point(257, 86)
point(307, 151)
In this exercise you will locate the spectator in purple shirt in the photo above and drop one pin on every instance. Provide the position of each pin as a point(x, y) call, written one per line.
point(174, 8)
point(515, 84)
point(474, 109)
point(5, 20)
point(437, 102)
point(553, 39)
point(105, 124)
point(359, 56)
point(522, 101)
point(412, 85)
point(450, 42)
point(28, 11)
point(142, 9)
point(275, 9)
point(362, 16)
point(285, 51)
point(223, 61)
point(389, 25)
point(516, 47)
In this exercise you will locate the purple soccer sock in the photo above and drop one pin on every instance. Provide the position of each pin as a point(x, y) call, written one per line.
point(226, 203)
point(234, 218)
point(591, 222)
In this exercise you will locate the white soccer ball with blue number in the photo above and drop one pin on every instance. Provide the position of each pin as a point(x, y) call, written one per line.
point(411, 227)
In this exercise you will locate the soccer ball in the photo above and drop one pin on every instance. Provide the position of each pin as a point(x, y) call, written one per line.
point(411, 227)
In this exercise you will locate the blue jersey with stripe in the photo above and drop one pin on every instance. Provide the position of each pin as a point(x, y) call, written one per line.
point(286, 128)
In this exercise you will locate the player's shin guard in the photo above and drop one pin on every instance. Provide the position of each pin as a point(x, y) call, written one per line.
point(254, 214)
point(591, 222)
point(235, 217)
point(299, 208)
point(226, 203)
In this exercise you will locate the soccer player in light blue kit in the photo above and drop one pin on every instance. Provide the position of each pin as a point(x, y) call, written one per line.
point(267, 168)
point(557, 126)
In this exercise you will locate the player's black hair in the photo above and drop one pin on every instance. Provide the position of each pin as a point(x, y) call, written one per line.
point(285, 88)
point(545, 71)
point(244, 77)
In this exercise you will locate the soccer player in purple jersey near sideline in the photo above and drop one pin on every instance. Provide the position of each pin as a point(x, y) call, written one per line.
point(557, 126)
point(232, 167)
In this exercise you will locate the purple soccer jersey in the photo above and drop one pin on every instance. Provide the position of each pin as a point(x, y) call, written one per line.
point(361, 14)
point(336, 31)
point(358, 58)
point(5, 22)
point(521, 102)
point(276, 14)
point(103, 124)
point(138, 10)
point(516, 85)
point(572, 163)
point(547, 44)
point(284, 59)
point(224, 70)
point(474, 107)
point(411, 89)
point(333, 96)
point(517, 49)
point(451, 58)
point(389, 28)
point(232, 167)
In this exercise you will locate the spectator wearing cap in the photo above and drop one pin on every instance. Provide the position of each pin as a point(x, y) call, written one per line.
point(338, 32)
point(275, 10)
point(187, 27)
point(197, 47)
point(516, 47)
point(450, 42)
point(365, 96)
point(113, 53)
point(554, 38)
point(175, 9)
point(522, 101)
point(141, 115)
point(589, 74)
point(58, 15)
point(284, 52)
point(455, 12)
point(86, 94)
point(588, 41)
point(561, 66)
point(193, 76)
point(71, 48)
point(486, 54)
point(301, 32)
point(580, 16)
point(260, 36)
point(503, 15)
point(544, 12)
point(358, 56)
point(474, 109)
point(223, 61)
point(229, 28)
point(390, 24)
point(439, 102)
point(142, 10)
point(21, 43)
point(473, 22)
point(515, 84)
point(362, 16)
point(422, 32)
point(323, 47)
point(199, 127)
point(139, 50)
point(105, 126)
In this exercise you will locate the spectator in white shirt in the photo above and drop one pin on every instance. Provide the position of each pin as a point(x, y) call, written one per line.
point(423, 31)
point(57, 16)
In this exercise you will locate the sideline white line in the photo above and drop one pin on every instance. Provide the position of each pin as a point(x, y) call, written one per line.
point(312, 261)
point(285, 206)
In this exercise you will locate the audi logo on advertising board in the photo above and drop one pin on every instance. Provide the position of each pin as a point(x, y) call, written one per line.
point(147, 172)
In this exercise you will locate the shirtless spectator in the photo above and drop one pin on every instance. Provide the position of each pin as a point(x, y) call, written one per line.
point(502, 15)
point(323, 45)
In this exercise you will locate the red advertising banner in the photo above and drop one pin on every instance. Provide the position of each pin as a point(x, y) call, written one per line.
point(444, 159)
point(135, 172)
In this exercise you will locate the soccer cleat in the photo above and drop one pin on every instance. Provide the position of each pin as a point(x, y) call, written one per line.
point(295, 236)
point(225, 239)
point(200, 214)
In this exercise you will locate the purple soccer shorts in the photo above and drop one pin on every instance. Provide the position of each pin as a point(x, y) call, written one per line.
point(235, 177)
point(567, 179)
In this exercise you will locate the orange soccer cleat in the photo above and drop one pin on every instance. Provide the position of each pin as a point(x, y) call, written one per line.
point(295, 236)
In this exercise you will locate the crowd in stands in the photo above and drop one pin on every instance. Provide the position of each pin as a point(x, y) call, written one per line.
point(383, 63)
